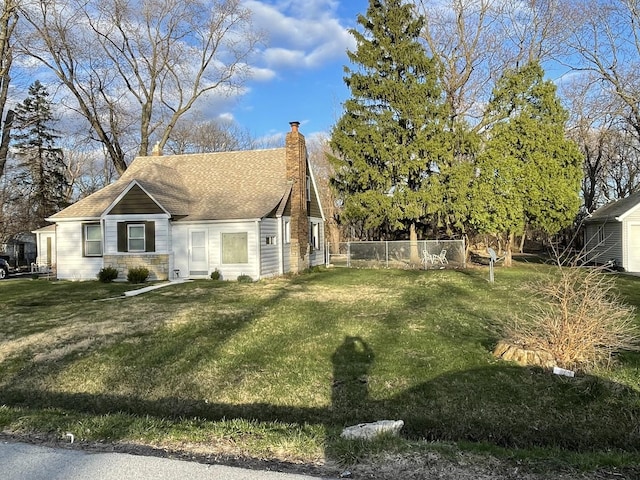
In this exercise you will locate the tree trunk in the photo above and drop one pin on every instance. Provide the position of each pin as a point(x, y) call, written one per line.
point(413, 243)
point(508, 248)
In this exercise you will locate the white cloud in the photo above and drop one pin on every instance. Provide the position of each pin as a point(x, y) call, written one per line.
point(300, 34)
point(262, 74)
point(227, 117)
point(282, 57)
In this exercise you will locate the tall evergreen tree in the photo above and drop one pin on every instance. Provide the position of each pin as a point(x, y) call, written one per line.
point(529, 172)
point(390, 136)
point(42, 177)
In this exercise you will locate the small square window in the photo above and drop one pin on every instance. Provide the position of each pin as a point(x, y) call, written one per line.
point(270, 240)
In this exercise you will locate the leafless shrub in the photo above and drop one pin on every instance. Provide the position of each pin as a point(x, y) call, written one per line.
point(578, 317)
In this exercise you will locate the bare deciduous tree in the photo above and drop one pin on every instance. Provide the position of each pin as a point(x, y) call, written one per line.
point(606, 44)
point(140, 64)
point(87, 172)
point(208, 136)
point(476, 40)
point(593, 123)
point(460, 36)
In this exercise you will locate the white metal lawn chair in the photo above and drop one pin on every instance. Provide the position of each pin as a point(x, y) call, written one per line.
point(442, 258)
point(427, 259)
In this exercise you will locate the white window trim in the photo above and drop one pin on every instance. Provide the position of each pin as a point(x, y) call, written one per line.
point(86, 227)
point(129, 237)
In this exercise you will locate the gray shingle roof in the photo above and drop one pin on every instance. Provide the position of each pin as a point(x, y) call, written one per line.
point(614, 209)
point(208, 186)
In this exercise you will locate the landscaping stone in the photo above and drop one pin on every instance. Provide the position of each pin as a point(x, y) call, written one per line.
point(522, 356)
point(369, 431)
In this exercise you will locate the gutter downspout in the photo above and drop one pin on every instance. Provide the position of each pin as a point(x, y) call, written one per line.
point(259, 248)
point(280, 242)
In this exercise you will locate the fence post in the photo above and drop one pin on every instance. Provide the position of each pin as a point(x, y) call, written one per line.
point(464, 252)
point(348, 254)
point(386, 252)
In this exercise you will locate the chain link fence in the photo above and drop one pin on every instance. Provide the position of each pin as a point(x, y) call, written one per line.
point(404, 254)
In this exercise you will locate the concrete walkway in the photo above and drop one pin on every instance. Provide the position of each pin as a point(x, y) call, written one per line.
point(21, 461)
point(132, 293)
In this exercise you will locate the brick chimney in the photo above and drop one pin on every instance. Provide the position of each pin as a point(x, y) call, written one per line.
point(296, 153)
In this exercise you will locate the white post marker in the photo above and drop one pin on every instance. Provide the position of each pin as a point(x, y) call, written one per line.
point(562, 371)
point(493, 259)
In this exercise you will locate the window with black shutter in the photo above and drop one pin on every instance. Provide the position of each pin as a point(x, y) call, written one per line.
point(136, 236)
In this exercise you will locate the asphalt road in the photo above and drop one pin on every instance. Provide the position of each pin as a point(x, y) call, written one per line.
point(20, 461)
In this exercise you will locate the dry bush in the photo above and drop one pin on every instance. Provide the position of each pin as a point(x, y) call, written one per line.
point(578, 318)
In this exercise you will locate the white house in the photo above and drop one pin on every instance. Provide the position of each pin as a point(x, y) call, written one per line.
point(612, 234)
point(254, 212)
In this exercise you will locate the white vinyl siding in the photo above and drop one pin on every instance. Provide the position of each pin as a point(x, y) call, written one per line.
point(231, 271)
point(161, 232)
point(269, 252)
point(70, 262)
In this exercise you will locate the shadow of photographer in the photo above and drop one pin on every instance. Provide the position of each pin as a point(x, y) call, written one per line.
point(352, 362)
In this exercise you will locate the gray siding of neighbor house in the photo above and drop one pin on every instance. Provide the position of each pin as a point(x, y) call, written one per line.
point(609, 248)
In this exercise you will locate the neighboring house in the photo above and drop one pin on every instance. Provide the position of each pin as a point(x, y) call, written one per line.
point(253, 213)
point(612, 234)
point(19, 250)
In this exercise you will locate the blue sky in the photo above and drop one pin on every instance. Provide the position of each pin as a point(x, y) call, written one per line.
point(298, 74)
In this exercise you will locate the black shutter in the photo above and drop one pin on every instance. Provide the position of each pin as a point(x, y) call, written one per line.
point(150, 236)
point(122, 237)
point(84, 243)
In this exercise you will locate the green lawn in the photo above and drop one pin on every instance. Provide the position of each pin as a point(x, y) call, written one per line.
point(276, 369)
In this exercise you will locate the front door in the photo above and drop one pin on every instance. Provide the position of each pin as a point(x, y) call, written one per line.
point(49, 252)
point(198, 253)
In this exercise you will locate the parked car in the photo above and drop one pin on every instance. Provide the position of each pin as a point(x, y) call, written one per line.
point(4, 268)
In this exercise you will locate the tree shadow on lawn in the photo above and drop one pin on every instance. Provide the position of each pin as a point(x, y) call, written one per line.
point(503, 405)
point(498, 404)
